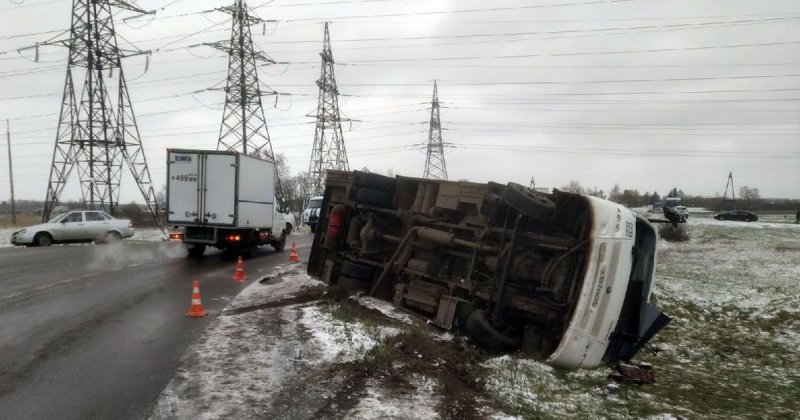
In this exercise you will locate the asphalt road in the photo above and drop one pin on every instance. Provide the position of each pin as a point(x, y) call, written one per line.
point(96, 331)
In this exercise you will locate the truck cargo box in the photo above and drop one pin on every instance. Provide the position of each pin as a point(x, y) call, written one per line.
point(217, 188)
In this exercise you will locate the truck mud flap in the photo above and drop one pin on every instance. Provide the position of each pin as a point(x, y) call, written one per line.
point(625, 343)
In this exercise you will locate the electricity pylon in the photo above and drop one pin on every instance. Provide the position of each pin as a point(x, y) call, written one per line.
point(244, 128)
point(435, 167)
point(92, 134)
point(328, 151)
point(733, 192)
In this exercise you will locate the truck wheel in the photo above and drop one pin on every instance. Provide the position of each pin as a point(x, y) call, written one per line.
point(485, 333)
point(374, 197)
point(377, 182)
point(348, 283)
point(196, 250)
point(530, 203)
point(250, 247)
point(279, 245)
point(43, 239)
point(357, 271)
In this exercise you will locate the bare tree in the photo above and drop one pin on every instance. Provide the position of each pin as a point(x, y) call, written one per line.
point(749, 196)
point(574, 186)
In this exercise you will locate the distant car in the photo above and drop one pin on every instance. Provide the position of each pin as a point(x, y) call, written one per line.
point(673, 216)
point(741, 215)
point(285, 216)
point(311, 213)
point(74, 226)
point(683, 212)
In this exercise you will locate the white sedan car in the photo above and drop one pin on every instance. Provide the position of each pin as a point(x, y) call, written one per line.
point(74, 226)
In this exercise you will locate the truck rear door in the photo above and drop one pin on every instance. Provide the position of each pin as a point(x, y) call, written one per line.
point(219, 198)
point(183, 176)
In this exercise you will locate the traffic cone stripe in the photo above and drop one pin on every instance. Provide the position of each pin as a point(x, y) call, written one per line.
point(196, 310)
point(239, 275)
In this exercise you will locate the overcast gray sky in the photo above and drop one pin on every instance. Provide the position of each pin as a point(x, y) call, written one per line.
point(649, 94)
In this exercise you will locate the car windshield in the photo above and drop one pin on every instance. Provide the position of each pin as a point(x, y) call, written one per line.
point(106, 215)
point(315, 203)
point(58, 216)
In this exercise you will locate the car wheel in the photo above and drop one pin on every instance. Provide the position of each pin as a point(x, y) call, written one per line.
point(313, 228)
point(748, 219)
point(43, 239)
point(288, 229)
point(280, 245)
point(112, 237)
point(530, 203)
point(484, 332)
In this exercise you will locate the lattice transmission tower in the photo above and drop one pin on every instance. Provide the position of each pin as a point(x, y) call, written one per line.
point(435, 166)
point(244, 127)
point(95, 133)
point(328, 151)
point(728, 184)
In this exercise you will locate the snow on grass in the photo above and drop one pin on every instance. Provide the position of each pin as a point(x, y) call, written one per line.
point(384, 307)
point(342, 341)
point(731, 351)
point(535, 389)
point(383, 404)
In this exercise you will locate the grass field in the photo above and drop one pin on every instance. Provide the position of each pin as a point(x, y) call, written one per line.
point(731, 351)
point(22, 220)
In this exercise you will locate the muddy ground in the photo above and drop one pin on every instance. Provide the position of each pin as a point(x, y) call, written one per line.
point(381, 365)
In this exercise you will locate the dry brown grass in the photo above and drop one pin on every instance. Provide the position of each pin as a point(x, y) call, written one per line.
point(22, 220)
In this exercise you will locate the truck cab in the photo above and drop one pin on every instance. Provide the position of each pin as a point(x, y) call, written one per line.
point(311, 212)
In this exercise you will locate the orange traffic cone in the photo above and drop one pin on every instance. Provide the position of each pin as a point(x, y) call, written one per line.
point(293, 256)
point(196, 310)
point(239, 275)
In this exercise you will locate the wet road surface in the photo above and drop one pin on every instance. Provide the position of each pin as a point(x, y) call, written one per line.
point(96, 331)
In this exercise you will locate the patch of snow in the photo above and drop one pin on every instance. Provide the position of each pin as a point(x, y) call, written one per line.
point(285, 281)
point(384, 307)
point(242, 364)
point(536, 385)
point(380, 404)
point(341, 341)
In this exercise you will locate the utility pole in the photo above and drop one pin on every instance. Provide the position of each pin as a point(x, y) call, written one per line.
point(244, 128)
point(328, 151)
point(435, 167)
point(11, 174)
point(96, 131)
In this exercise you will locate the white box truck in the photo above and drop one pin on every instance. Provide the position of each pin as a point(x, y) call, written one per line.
point(224, 199)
